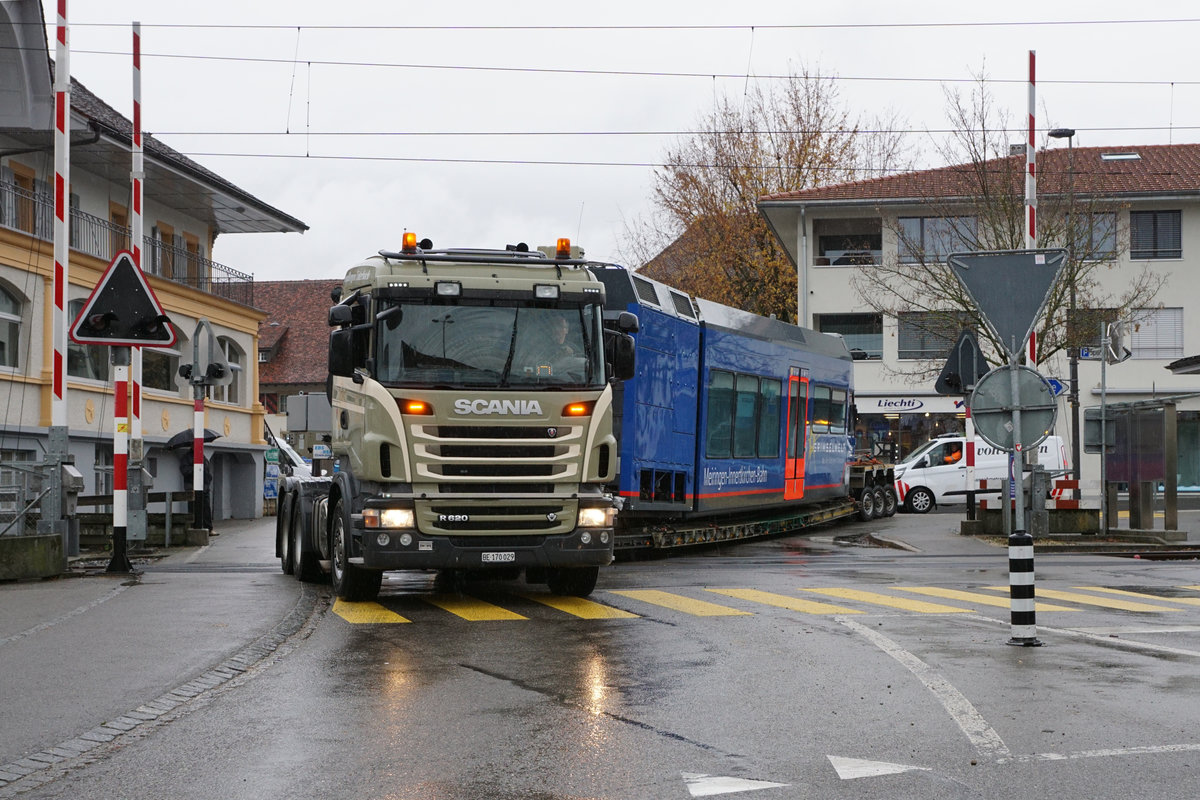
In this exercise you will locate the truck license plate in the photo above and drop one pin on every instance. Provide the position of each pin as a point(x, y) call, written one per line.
point(499, 558)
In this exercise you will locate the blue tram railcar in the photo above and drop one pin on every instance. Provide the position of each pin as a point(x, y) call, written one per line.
point(729, 413)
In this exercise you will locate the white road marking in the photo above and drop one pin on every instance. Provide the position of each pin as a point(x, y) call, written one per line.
point(850, 768)
point(1109, 753)
point(705, 785)
point(982, 736)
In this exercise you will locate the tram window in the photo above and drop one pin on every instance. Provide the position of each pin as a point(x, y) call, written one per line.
point(768, 419)
point(719, 436)
point(822, 411)
point(745, 423)
point(837, 411)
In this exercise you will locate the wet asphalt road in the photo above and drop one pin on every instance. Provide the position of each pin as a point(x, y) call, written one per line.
point(495, 694)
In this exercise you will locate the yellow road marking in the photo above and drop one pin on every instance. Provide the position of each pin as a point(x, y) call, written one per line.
point(579, 607)
point(972, 597)
point(1089, 600)
point(891, 602)
point(784, 601)
point(366, 613)
point(471, 609)
point(678, 602)
point(1187, 601)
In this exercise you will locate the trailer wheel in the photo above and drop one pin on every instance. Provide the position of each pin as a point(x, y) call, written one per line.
point(349, 581)
point(283, 531)
point(890, 504)
point(866, 504)
point(305, 565)
point(572, 581)
point(919, 500)
point(880, 502)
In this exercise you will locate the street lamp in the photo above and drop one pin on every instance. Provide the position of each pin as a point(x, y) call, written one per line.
point(1072, 350)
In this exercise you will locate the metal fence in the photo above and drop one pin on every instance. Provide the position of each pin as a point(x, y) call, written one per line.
point(33, 212)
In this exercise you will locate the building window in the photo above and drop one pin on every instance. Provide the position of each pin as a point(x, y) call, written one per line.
point(862, 332)
point(10, 328)
point(1099, 238)
point(1157, 333)
point(848, 242)
point(931, 239)
point(231, 392)
point(160, 366)
point(118, 234)
point(1155, 234)
point(86, 360)
point(928, 334)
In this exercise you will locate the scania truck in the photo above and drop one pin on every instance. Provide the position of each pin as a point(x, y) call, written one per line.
point(472, 422)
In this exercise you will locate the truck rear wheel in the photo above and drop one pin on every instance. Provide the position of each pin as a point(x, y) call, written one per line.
point(283, 534)
point(889, 501)
point(349, 581)
point(572, 581)
point(305, 564)
point(866, 504)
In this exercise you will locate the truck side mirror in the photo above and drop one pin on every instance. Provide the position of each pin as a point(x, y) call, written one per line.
point(624, 356)
point(341, 353)
point(627, 322)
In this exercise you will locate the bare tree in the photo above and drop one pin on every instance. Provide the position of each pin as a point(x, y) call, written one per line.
point(979, 204)
point(706, 236)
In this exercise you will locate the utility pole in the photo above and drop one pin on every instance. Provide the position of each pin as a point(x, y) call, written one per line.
point(1073, 347)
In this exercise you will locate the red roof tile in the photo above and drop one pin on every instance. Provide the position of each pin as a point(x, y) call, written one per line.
point(1161, 169)
point(298, 323)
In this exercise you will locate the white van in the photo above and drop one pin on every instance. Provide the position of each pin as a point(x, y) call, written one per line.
point(925, 475)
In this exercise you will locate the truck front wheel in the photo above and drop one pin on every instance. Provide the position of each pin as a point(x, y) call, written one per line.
point(572, 581)
point(349, 581)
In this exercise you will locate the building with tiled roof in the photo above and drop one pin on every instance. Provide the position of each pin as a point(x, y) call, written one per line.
point(293, 340)
point(834, 233)
point(185, 208)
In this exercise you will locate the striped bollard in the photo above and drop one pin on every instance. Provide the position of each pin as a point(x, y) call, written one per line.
point(1021, 590)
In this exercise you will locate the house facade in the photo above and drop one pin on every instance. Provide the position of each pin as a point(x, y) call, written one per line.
point(1151, 196)
point(186, 207)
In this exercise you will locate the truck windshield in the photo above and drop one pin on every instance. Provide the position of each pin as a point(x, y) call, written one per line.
point(490, 344)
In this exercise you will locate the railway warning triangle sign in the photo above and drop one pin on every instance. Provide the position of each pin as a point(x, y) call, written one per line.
point(122, 310)
point(1010, 287)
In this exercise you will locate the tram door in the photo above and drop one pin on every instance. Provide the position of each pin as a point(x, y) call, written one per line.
point(797, 425)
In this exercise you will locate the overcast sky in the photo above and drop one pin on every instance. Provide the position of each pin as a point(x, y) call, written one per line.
point(300, 91)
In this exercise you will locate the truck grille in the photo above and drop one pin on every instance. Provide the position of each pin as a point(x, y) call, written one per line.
point(517, 454)
point(489, 519)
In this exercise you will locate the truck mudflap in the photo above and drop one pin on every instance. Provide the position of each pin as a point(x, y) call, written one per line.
point(483, 552)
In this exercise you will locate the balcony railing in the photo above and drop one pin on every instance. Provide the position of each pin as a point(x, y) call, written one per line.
point(33, 213)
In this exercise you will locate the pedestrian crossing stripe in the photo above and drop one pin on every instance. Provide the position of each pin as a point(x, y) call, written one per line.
point(903, 603)
point(784, 601)
point(678, 602)
point(579, 607)
point(472, 609)
point(366, 613)
point(1091, 600)
point(475, 610)
point(973, 597)
point(1187, 601)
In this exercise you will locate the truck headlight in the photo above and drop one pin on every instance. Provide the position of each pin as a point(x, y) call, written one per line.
point(596, 517)
point(388, 518)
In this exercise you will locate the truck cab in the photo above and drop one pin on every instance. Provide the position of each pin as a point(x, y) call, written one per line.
point(472, 417)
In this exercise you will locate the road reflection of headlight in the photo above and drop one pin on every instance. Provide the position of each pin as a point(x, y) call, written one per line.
point(595, 683)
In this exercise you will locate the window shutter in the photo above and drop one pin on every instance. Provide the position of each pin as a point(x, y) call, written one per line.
point(8, 198)
point(43, 211)
point(1159, 334)
point(153, 255)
